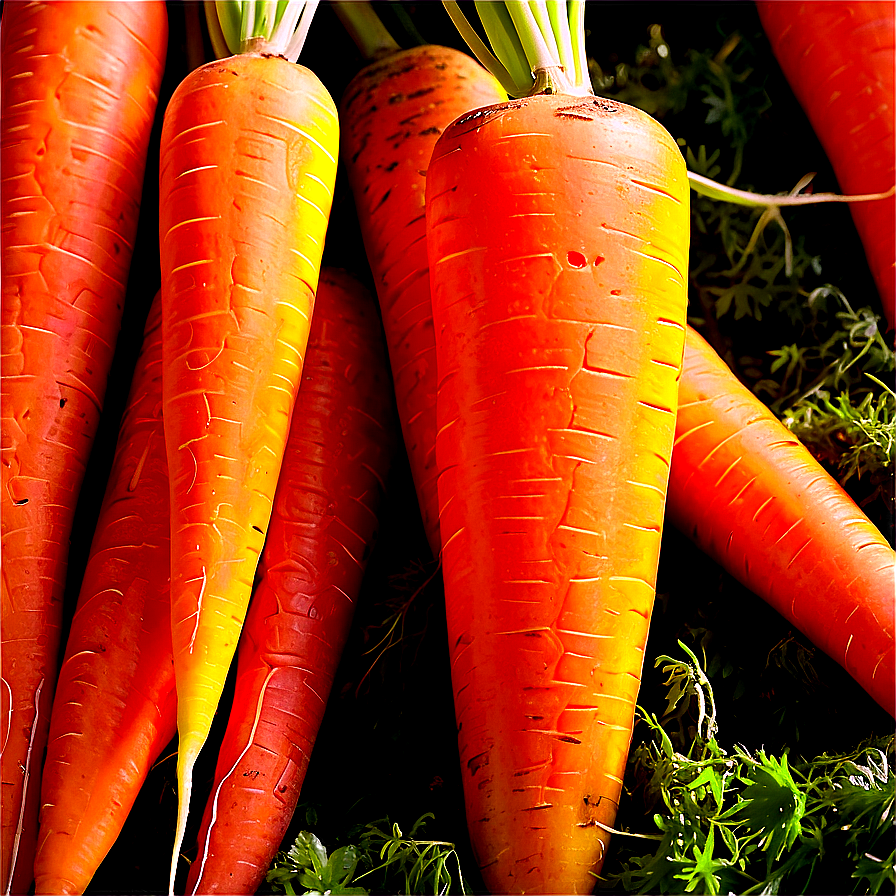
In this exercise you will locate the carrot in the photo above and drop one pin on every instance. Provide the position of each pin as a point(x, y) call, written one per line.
point(751, 496)
point(557, 227)
point(248, 164)
point(392, 114)
point(323, 525)
point(114, 709)
point(838, 57)
point(78, 92)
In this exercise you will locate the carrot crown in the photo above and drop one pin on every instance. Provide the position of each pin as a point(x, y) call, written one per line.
point(275, 27)
point(537, 46)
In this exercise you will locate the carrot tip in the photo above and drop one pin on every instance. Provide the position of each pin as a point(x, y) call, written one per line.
point(188, 752)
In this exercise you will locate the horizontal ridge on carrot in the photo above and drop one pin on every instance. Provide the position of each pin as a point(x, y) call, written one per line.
point(248, 163)
point(557, 227)
point(392, 114)
point(79, 86)
point(323, 525)
point(750, 495)
point(115, 706)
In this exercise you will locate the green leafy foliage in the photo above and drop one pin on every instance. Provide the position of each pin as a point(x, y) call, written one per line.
point(748, 821)
point(307, 865)
point(390, 862)
point(829, 391)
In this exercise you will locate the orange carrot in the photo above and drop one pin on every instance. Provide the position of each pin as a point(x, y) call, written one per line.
point(115, 708)
point(378, 168)
point(321, 533)
point(557, 227)
point(392, 114)
point(248, 164)
point(78, 93)
point(839, 57)
point(751, 496)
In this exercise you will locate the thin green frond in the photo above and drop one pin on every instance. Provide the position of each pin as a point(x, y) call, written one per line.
point(506, 43)
point(479, 49)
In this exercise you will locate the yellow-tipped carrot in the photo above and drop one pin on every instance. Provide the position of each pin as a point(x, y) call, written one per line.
point(247, 167)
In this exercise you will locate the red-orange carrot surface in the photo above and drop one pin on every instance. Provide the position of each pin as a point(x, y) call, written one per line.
point(114, 709)
point(750, 495)
point(559, 305)
point(839, 57)
point(248, 164)
point(78, 93)
point(392, 114)
point(321, 532)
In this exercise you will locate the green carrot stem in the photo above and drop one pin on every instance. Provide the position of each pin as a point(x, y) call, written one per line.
point(278, 27)
point(366, 29)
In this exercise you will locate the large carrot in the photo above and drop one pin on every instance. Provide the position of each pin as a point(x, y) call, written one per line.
point(392, 113)
point(248, 164)
point(78, 93)
point(751, 496)
point(114, 709)
point(322, 529)
point(839, 57)
point(557, 227)
point(380, 166)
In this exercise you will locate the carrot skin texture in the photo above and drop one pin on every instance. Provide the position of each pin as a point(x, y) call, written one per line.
point(114, 709)
point(78, 95)
point(559, 306)
point(248, 164)
point(323, 525)
point(754, 499)
point(392, 113)
point(840, 61)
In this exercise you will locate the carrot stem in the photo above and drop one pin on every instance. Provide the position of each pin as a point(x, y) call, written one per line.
point(576, 10)
point(533, 48)
point(480, 50)
point(223, 26)
point(366, 29)
point(538, 53)
point(251, 26)
point(559, 22)
point(506, 43)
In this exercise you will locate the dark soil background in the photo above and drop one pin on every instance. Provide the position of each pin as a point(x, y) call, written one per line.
point(387, 747)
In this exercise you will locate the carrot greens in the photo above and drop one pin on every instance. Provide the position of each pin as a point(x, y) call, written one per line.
point(733, 819)
point(239, 26)
point(536, 47)
point(384, 859)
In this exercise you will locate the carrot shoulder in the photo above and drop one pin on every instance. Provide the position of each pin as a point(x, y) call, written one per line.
point(751, 496)
point(322, 529)
point(248, 162)
point(392, 113)
point(115, 707)
point(78, 96)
